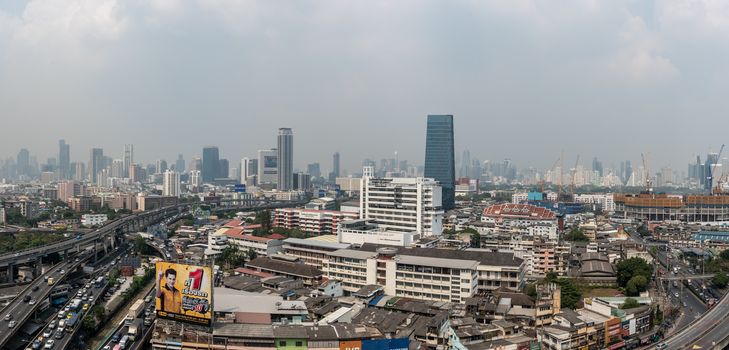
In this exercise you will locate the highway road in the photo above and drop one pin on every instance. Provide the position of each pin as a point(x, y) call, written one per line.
point(62, 339)
point(122, 328)
point(20, 310)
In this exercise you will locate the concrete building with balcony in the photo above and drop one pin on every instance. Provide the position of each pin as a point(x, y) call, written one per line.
point(318, 222)
point(521, 218)
point(402, 204)
point(421, 273)
point(311, 252)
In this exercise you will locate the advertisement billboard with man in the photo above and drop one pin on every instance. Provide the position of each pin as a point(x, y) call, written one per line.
point(184, 293)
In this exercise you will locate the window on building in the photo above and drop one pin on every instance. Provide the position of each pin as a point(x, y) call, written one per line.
point(282, 343)
point(299, 343)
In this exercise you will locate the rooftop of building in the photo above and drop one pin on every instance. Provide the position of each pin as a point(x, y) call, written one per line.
point(287, 267)
point(484, 258)
point(525, 211)
point(317, 243)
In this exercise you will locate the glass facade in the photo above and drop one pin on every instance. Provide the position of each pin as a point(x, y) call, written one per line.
point(439, 156)
point(211, 164)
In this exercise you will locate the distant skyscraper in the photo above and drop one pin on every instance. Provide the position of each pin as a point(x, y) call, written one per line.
point(439, 156)
point(465, 163)
point(223, 167)
point(285, 159)
point(23, 163)
point(335, 165)
point(128, 158)
point(64, 160)
point(210, 163)
point(314, 170)
point(195, 179)
point(160, 166)
point(196, 164)
point(267, 166)
point(597, 166)
point(79, 173)
point(171, 183)
point(96, 163)
point(180, 164)
point(117, 168)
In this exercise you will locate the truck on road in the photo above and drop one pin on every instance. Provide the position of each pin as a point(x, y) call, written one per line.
point(50, 281)
point(75, 304)
point(134, 330)
point(134, 311)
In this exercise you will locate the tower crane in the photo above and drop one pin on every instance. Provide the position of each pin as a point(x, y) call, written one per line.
point(710, 177)
point(648, 187)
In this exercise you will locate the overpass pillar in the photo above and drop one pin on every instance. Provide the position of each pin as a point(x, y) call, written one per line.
point(11, 273)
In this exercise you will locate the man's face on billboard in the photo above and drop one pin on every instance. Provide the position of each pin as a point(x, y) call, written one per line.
point(170, 279)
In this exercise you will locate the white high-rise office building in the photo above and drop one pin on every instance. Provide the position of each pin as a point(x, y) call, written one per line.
point(171, 183)
point(285, 159)
point(267, 166)
point(402, 204)
point(117, 168)
point(195, 178)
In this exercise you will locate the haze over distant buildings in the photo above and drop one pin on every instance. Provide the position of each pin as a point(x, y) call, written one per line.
point(524, 80)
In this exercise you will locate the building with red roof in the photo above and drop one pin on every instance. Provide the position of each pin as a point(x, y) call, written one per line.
point(521, 218)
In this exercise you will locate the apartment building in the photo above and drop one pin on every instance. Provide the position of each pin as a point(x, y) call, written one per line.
point(522, 218)
point(540, 255)
point(369, 231)
point(311, 252)
point(430, 274)
point(319, 222)
point(263, 246)
point(402, 204)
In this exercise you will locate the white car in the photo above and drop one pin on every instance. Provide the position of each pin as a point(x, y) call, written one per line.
point(675, 294)
point(49, 344)
point(11, 324)
point(47, 333)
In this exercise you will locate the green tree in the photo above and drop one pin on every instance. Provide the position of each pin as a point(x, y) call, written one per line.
point(724, 255)
point(140, 245)
point(576, 235)
point(88, 324)
point(658, 318)
point(99, 313)
point(263, 217)
point(252, 254)
point(636, 285)
point(569, 294)
point(531, 290)
point(720, 280)
point(632, 267)
point(551, 276)
point(629, 303)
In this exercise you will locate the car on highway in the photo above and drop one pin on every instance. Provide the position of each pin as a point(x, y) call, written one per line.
point(8, 317)
point(26, 298)
point(52, 324)
point(661, 346)
point(115, 338)
point(31, 302)
point(61, 314)
point(49, 344)
point(675, 294)
point(47, 333)
point(60, 334)
point(11, 324)
point(36, 344)
point(35, 288)
point(62, 272)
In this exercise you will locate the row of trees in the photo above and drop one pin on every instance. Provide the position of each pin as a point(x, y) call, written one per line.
point(576, 235)
point(25, 240)
point(231, 256)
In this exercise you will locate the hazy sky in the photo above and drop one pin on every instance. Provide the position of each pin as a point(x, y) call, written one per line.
point(524, 79)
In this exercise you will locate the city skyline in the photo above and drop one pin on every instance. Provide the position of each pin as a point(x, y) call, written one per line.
point(637, 77)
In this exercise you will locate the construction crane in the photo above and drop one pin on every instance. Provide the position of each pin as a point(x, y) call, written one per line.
point(574, 177)
point(648, 187)
point(710, 177)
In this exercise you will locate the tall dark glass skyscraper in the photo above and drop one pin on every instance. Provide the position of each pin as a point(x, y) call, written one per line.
point(210, 164)
point(439, 156)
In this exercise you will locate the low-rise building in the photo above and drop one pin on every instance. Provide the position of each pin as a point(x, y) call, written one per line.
point(522, 218)
point(90, 220)
point(310, 251)
point(369, 231)
point(281, 265)
point(421, 273)
point(318, 222)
